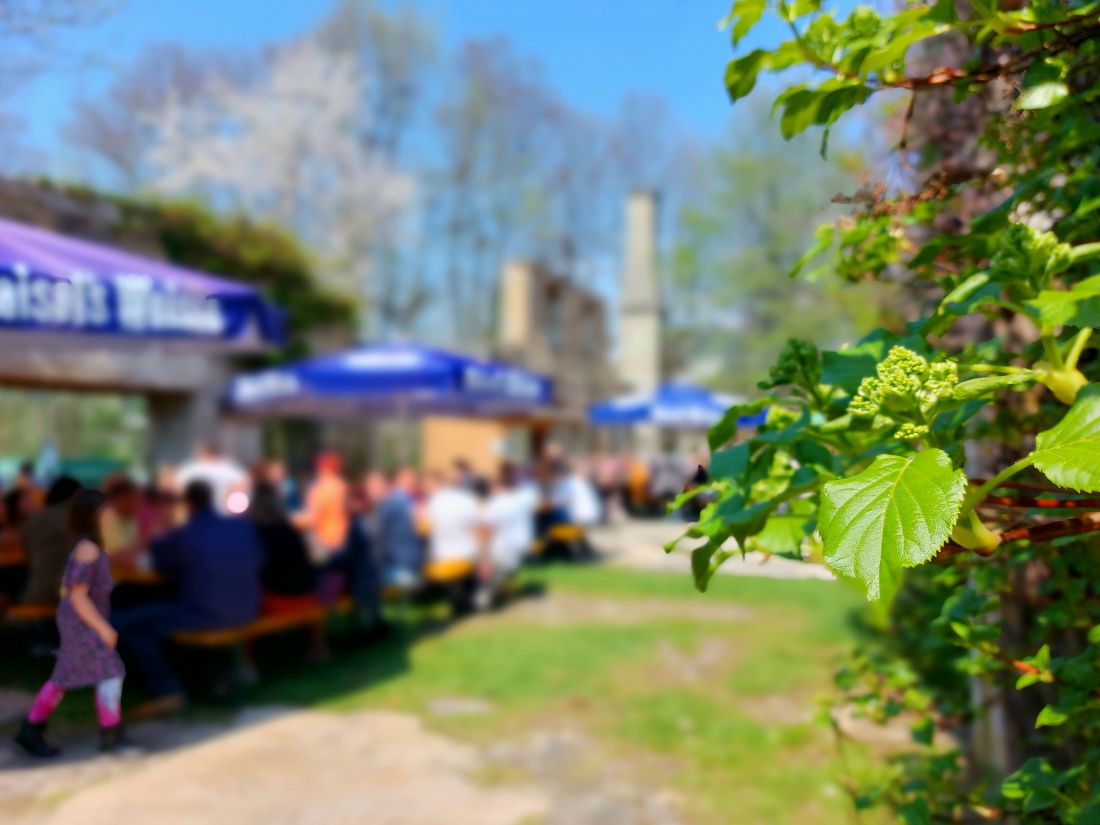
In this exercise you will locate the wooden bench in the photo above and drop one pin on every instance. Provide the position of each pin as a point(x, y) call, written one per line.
point(448, 572)
point(238, 640)
point(572, 537)
point(31, 612)
point(263, 626)
point(12, 557)
point(121, 574)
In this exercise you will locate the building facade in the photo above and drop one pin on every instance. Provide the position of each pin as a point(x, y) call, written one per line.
point(552, 325)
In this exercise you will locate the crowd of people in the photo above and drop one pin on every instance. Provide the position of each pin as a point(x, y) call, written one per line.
point(211, 545)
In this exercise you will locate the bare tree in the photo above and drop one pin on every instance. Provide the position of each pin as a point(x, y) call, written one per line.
point(115, 130)
point(29, 46)
point(521, 173)
point(29, 31)
point(395, 49)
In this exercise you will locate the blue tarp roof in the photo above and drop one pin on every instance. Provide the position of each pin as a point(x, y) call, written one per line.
point(676, 406)
point(52, 283)
point(391, 379)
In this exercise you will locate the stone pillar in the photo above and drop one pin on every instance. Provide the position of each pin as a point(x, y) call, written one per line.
point(178, 421)
point(640, 315)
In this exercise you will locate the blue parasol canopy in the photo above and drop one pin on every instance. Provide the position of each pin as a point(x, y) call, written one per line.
point(65, 288)
point(391, 379)
point(676, 406)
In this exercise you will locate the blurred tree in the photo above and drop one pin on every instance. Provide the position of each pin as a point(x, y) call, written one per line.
point(503, 166)
point(750, 214)
point(522, 173)
point(286, 148)
point(114, 131)
point(30, 31)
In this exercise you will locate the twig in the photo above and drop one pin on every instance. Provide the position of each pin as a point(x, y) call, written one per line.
point(1047, 531)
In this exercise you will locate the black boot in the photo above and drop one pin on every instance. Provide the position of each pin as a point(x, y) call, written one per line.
point(30, 739)
point(114, 740)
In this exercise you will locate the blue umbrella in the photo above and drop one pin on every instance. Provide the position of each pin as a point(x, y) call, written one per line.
point(391, 379)
point(66, 290)
point(676, 406)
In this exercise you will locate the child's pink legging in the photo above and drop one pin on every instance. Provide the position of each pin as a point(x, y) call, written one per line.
point(108, 702)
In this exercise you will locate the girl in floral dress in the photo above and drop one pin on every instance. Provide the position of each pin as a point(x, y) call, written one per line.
point(87, 655)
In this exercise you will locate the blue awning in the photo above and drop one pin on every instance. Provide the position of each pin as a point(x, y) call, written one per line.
point(391, 379)
point(676, 406)
point(66, 287)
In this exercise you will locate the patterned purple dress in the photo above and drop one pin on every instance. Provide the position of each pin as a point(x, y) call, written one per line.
point(83, 659)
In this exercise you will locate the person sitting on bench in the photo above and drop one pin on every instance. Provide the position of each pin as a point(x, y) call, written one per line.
point(216, 561)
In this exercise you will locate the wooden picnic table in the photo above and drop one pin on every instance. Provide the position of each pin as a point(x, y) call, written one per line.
point(12, 557)
point(127, 574)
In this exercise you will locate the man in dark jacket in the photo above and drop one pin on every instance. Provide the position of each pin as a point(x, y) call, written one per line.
point(216, 562)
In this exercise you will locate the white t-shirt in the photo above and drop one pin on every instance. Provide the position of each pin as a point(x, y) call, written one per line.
point(454, 516)
point(584, 503)
point(223, 475)
point(511, 515)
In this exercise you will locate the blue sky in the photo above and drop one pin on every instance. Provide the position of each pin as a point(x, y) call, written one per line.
point(594, 51)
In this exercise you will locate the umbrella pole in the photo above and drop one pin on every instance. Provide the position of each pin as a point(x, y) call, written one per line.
point(404, 452)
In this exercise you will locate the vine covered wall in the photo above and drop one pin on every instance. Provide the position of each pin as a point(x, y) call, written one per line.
point(868, 456)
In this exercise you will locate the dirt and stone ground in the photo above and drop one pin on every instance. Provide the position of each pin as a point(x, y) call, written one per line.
point(381, 766)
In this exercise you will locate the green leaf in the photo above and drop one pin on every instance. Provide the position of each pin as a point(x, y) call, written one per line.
point(1094, 635)
point(924, 731)
point(962, 300)
point(1050, 716)
point(943, 11)
point(1077, 307)
point(1088, 814)
point(846, 368)
point(787, 434)
point(742, 519)
point(744, 15)
point(897, 513)
point(731, 464)
point(803, 108)
point(915, 812)
point(977, 388)
point(1042, 95)
point(783, 535)
point(824, 236)
point(1069, 453)
point(741, 74)
point(724, 431)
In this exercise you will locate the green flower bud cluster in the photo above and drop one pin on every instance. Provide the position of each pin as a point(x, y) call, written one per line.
point(909, 432)
point(906, 383)
point(1029, 256)
point(864, 22)
point(798, 364)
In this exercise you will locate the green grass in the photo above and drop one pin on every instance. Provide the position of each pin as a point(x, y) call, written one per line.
point(733, 738)
point(732, 750)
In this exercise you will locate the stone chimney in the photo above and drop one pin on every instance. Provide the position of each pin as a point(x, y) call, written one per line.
point(640, 317)
point(639, 366)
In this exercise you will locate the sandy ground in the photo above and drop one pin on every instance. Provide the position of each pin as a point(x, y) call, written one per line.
point(303, 767)
point(638, 544)
point(309, 767)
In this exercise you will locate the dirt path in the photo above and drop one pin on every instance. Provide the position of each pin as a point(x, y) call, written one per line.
point(296, 768)
point(301, 767)
point(637, 544)
point(276, 766)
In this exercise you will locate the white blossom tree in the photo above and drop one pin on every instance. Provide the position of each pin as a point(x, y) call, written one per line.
point(285, 147)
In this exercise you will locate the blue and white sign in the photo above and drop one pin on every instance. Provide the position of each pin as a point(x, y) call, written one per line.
point(53, 283)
